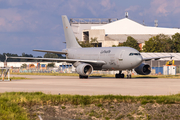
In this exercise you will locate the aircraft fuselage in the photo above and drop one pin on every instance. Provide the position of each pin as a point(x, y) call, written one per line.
point(116, 58)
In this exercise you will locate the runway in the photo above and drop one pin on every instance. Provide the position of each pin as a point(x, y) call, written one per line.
point(92, 86)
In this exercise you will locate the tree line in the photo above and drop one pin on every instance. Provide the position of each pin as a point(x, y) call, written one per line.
point(158, 43)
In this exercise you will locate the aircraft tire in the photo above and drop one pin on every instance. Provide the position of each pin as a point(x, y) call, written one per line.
point(119, 75)
point(128, 76)
point(83, 77)
point(122, 75)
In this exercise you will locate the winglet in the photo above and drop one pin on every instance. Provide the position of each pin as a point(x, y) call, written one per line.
point(6, 57)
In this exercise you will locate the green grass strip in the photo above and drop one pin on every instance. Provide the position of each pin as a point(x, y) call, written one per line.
point(12, 104)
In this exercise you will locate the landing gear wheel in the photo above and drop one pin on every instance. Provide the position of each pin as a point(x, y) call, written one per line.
point(122, 75)
point(128, 74)
point(119, 75)
point(83, 77)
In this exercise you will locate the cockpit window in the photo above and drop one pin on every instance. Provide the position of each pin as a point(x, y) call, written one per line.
point(131, 54)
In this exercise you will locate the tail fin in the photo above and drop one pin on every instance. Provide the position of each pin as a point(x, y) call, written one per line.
point(69, 35)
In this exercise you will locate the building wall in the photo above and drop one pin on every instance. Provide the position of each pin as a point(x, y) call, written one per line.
point(99, 34)
point(79, 28)
point(19, 64)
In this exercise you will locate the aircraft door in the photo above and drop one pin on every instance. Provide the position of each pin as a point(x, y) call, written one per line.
point(121, 55)
point(120, 59)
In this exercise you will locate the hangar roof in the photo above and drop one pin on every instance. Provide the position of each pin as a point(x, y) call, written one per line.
point(128, 26)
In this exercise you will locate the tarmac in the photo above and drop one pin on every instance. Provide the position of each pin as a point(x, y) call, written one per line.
point(92, 86)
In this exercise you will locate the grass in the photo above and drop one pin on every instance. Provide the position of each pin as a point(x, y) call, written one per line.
point(99, 75)
point(12, 104)
point(15, 78)
point(49, 74)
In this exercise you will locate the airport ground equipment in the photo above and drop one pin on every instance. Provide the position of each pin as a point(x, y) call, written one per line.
point(5, 72)
point(170, 62)
point(169, 70)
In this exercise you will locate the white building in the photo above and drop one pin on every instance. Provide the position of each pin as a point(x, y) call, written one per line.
point(116, 31)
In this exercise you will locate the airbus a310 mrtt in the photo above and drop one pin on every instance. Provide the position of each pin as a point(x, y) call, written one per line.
point(85, 60)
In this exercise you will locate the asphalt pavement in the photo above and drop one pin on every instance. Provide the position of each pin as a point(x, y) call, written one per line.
point(92, 86)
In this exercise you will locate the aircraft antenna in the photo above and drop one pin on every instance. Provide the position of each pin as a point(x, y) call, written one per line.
point(156, 23)
point(126, 14)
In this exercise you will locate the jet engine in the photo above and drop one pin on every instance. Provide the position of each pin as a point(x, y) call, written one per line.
point(143, 69)
point(84, 69)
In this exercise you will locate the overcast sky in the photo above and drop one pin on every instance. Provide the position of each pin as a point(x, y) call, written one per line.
point(36, 24)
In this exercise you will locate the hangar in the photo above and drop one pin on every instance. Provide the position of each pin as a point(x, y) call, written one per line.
point(113, 31)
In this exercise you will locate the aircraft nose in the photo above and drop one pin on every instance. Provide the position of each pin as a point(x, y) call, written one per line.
point(139, 59)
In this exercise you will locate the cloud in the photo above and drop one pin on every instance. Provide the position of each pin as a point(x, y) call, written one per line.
point(107, 4)
point(160, 7)
point(13, 20)
point(132, 8)
point(163, 8)
point(38, 22)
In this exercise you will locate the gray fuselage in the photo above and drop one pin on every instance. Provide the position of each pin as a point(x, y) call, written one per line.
point(116, 58)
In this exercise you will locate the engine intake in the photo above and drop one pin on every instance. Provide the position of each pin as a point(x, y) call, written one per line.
point(143, 69)
point(84, 69)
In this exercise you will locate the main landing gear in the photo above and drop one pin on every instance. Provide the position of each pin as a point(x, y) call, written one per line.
point(128, 73)
point(119, 75)
point(83, 77)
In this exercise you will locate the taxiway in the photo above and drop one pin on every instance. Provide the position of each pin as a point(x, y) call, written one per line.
point(92, 86)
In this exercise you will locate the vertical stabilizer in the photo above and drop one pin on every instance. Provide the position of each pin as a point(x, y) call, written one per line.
point(69, 35)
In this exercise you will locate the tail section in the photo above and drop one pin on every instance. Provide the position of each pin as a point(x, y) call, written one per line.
point(69, 35)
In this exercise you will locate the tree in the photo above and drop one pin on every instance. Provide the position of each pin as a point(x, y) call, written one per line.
point(158, 43)
point(24, 66)
point(50, 55)
point(50, 64)
point(94, 42)
point(87, 43)
point(25, 55)
point(176, 42)
point(130, 42)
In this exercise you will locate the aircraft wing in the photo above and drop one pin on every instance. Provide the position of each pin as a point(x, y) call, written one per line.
point(156, 58)
point(61, 60)
point(50, 51)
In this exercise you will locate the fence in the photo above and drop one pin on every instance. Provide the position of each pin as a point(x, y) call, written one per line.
point(70, 69)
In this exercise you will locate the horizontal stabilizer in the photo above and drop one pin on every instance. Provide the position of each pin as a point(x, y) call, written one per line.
point(50, 51)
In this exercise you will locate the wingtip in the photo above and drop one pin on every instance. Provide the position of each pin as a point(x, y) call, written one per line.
point(6, 57)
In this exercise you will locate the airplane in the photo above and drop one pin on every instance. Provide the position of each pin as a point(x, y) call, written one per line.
point(85, 60)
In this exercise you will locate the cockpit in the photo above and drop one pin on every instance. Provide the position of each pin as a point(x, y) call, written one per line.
point(131, 54)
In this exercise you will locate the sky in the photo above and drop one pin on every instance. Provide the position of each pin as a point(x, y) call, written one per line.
point(36, 24)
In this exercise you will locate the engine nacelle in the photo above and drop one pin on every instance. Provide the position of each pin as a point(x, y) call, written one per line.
point(143, 69)
point(84, 69)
